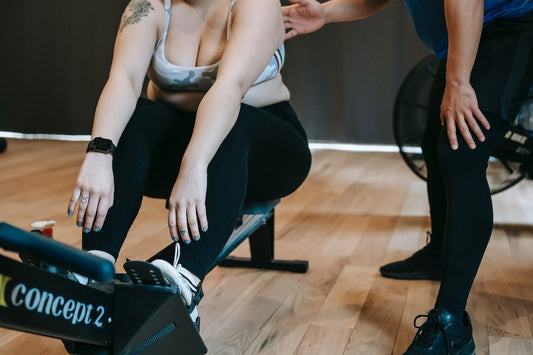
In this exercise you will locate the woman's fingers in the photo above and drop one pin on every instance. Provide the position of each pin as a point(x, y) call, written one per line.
point(82, 208)
point(202, 216)
point(193, 222)
point(101, 213)
point(90, 213)
point(92, 209)
point(73, 200)
point(185, 223)
point(93, 192)
point(181, 215)
point(173, 224)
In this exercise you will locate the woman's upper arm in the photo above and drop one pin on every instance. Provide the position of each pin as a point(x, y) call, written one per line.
point(136, 39)
point(256, 32)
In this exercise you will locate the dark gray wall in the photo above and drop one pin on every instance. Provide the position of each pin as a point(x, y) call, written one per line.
point(344, 78)
point(55, 57)
point(54, 61)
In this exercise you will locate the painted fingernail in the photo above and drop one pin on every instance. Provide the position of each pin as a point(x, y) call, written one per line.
point(70, 213)
point(175, 240)
point(86, 230)
point(196, 238)
point(78, 224)
point(187, 241)
point(204, 229)
point(97, 229)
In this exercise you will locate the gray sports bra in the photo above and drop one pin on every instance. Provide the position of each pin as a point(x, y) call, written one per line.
point(168, 76)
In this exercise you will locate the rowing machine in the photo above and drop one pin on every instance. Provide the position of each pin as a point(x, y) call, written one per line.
point(109, 316)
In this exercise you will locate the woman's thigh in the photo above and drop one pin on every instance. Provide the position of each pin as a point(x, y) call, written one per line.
point(278, 158)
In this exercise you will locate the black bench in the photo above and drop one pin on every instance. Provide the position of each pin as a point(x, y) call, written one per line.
point(257, 224)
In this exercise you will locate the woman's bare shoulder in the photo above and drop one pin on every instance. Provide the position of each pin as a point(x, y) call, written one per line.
point(142, 10)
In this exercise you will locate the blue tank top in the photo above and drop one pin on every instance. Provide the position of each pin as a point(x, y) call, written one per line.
point(430, 23)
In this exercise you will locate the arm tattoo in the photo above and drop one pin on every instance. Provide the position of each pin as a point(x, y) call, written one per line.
point(136, 10)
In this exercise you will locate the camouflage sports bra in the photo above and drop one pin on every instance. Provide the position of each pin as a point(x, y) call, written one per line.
point(168, 76)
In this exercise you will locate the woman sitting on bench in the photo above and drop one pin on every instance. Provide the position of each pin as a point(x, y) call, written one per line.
point(216, 131)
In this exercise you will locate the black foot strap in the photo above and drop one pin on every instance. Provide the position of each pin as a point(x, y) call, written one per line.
point(142, 272)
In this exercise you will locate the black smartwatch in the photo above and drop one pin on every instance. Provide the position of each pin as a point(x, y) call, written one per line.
point(101, 145)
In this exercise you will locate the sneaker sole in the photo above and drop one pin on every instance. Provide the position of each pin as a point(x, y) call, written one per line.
point(468, 349)
point(415, 275)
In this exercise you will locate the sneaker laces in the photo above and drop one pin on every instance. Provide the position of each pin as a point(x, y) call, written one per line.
point(191, 288)
point(176, 276)
point(428, 331)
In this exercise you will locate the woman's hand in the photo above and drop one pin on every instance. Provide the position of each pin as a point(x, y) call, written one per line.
point(304, 16)
point(187, 203)
point(460, 111)
point(94, 190)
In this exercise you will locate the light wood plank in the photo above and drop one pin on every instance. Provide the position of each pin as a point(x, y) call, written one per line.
point(324, 341)
point(502, 345)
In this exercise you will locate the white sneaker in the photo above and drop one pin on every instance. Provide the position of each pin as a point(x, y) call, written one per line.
point(187, 283)
point(84, 280)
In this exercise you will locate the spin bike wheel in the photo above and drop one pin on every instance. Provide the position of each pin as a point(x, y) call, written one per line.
point(409, 121)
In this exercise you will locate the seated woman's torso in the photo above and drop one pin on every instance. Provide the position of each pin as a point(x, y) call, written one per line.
point(191, 43)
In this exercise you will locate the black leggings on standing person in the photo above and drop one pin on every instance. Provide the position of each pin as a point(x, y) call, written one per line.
point(264, 157)
point(458, 192)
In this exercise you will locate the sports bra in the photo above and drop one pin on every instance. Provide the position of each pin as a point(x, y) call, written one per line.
point(168, 76)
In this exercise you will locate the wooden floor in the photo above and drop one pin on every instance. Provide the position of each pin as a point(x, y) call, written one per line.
point(355, 212)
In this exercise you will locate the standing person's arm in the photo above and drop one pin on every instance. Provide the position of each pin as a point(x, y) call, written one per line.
point(134, 45)
point(459, 108)
point(306, 16)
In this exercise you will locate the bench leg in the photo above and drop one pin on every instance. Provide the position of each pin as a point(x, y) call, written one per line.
point(262, 253)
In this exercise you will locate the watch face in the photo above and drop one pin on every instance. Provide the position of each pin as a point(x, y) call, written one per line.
point(102, 144)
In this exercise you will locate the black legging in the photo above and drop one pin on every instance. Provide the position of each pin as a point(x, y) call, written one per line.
point(458, 192)
point(264, 157)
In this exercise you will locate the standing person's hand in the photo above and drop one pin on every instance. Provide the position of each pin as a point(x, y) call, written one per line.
point(94, 191)
point(187, 203)
point(460, 112)
point(304, 16)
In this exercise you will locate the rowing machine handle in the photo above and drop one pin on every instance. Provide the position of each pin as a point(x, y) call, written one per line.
point(56, 253)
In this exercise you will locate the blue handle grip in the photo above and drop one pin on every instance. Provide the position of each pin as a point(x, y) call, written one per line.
point(56, 253)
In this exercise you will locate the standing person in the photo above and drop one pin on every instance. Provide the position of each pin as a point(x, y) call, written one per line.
point(486, 69)
point(216, 131)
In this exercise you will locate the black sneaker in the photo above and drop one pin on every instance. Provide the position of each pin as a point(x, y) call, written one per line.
point(443, 334)
point(425, 264)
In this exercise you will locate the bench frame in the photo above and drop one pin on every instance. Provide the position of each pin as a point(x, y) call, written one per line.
point(257, 224)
